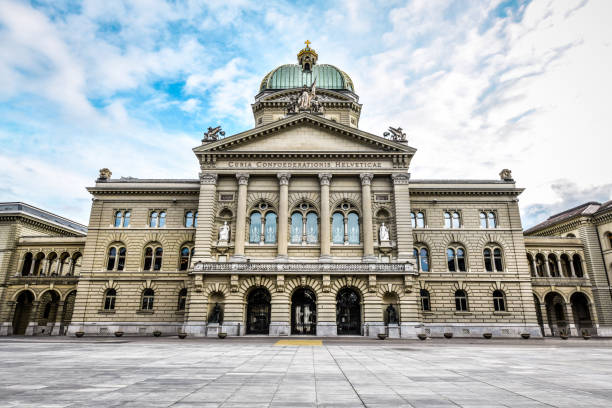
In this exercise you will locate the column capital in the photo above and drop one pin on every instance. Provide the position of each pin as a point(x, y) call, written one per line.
point(208, 178)
point(400, 178)
point(325, 178)
point(366, 178)
point(283, 178)
point(243, 178)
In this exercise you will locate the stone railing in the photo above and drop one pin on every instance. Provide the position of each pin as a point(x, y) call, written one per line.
point(301, 268)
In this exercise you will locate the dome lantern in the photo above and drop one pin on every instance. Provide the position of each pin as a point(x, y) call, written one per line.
point(307, 57)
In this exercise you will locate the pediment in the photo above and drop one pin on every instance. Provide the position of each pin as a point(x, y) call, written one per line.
point(305, 133)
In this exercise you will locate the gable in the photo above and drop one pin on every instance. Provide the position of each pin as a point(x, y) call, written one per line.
point(304, 138)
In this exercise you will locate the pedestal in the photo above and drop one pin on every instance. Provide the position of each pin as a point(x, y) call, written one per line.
point(212, 330)
point(393, 331)
point(371, 329)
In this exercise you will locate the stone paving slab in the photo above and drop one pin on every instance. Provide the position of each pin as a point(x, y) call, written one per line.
point(345, 372)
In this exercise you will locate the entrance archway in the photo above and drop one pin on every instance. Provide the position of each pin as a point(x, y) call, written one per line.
point(304, 312)
point(555, 310)
point(581, 311)
point(68, 309)
point(538, 310)
point(258, 312)
point(348, 312)
point(47, 312)
point(23, 308)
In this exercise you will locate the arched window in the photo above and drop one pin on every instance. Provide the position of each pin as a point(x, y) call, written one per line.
point(451, 261)
point(270, 237)
point(297, 225)
point(126, 218)
point(153, 219)
point(530, 262)
point(425, 301)
point(493, 259)
point(499, 301)
point(338, 228)
point(353, 228)
point(577, 261)
point(492, 220)
point(610, 239)
point(75, 267)
point(312, 228)
point(109, 299)
point(182, 299)
point(162, 219)
point(421, 254)
point(483, 220)
point(455, 258)
point(461, 301)
point(566, 267)
point(189, 219)
point(185, 258)
point(553, 265)
point(412, 220)
point(497, 256)
point(195, 219)
point(148, 296)
point(447, 220)
point(255, 228)
point(27, 264)
point(153, 258)
point(540, 265)
point(121, 258)
point(112, 257)
point(118, 218)
point(456, 221)
point(570, 235)
point(420, 220)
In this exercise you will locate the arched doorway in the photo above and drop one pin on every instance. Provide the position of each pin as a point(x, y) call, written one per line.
point(47, 312)
point(555, 310)
point(303, 312)
point(67, 314)
point(348, 312)
point(538, 311)
point(258, 312)
point(581, 312)
point(23, 308)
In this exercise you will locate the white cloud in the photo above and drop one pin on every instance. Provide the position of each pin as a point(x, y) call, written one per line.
point(190, 105)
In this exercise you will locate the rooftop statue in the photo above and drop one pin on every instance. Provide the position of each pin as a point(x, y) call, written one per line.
point(212, 135)
point(397, 135)
point(308, 101)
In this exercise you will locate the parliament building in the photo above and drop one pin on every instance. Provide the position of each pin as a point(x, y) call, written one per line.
point(305, 225)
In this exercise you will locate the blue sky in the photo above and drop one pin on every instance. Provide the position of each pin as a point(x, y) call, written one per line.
point(478, 86)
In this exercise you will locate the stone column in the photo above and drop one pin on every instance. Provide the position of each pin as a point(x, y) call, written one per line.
point(57, 327)
point(57, 267)
point(547, 266)
point(545, 324)
point(401, 197)
point(243, 181)
point(206, 218)
point(573, 272)
point(571, 326)
point(366, 204)
point(32, 266)
point(32, 328)
point(559, 267)
point(325, 256)
point(283, 216)
point(534, 266)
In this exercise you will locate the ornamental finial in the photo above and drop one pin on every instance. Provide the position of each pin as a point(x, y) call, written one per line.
point(307, 43)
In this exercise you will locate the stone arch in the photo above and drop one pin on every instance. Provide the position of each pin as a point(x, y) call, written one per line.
point(148, 284)
point(492, 239)
point(46, 290)
point(296, 199)
point(252, 282)
point(117, 237)
point(575, 290)
point(215, 287)
point(349, 282)
point(19, 292)
point(110, 284)
point(395, 288)
point(297, 282)
point(537, 295)
point(152, 237)
point(354, 199)
point(461, 285)
point(255, 198)
point(498, 285)
point(557, 292)
point(420, 238)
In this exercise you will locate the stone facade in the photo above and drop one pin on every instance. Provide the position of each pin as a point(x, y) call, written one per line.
point(304, 224)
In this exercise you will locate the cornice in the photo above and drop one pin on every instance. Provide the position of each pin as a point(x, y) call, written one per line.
point(40, 224)
point(465, 191)
point(301, 268)
point(141, 191)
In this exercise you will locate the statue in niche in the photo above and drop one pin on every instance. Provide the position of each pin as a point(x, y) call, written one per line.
point(383, 233)
point(391, 315)
point(224, 232)
point(215, 316)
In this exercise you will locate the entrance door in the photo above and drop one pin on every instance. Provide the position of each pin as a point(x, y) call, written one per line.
point(303, 312)
point(348, 312)
point(258, 312)
point(23, 309)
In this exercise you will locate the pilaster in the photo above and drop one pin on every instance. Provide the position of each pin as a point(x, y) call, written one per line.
point(401, 195)
point(206, 217)
point(243, 181)
point(366, 204)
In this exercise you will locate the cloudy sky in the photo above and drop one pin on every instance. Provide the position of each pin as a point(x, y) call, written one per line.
point(478, 86)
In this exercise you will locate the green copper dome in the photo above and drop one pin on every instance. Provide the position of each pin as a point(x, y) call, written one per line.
point(294, 76)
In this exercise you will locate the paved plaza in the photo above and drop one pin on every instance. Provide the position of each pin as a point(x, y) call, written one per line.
point(343, 372)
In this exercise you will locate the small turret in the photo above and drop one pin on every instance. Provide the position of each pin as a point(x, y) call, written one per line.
point(307, 57)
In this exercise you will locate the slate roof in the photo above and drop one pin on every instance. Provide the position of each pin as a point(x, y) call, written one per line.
point(23, 208)
point(589, 208)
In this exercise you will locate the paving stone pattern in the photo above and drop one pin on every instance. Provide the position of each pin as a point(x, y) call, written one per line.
point(165, 372)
